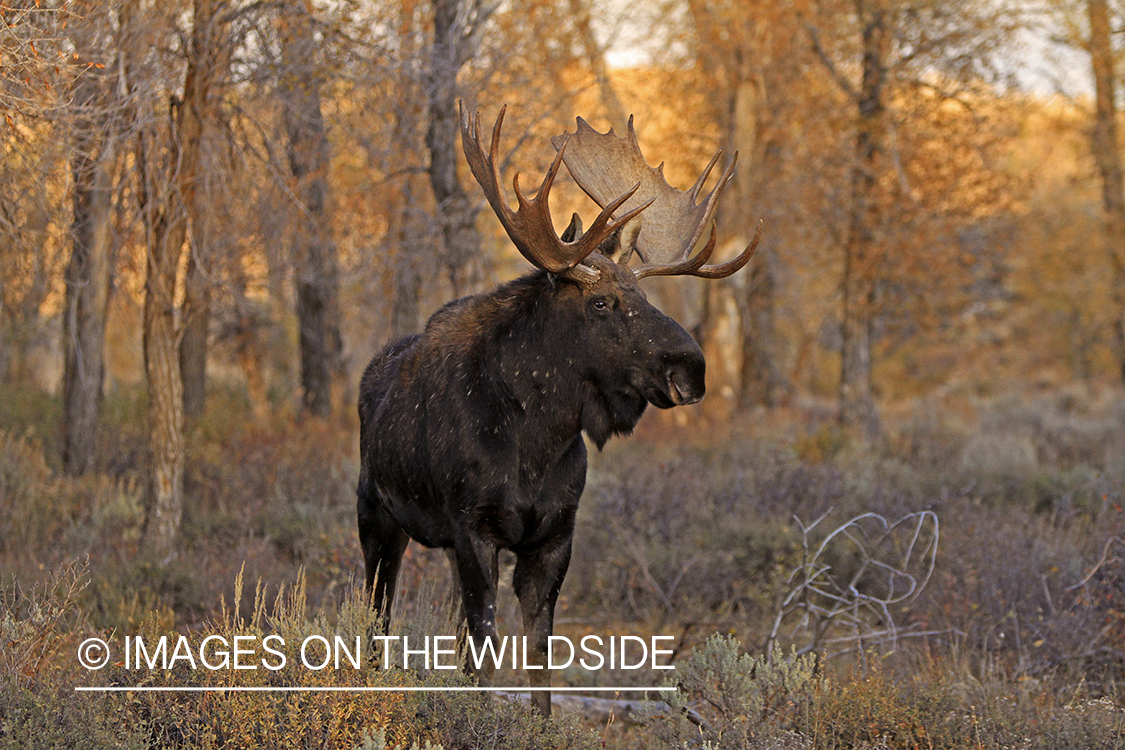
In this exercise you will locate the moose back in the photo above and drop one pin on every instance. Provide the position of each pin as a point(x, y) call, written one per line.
point(471, 431)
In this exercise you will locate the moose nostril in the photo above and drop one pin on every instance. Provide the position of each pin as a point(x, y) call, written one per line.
point(686, 381)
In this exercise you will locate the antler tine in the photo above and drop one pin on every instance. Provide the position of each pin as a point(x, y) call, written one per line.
point(723, 270)
point(694, 192)
point(712, 201)
point(695, 267)
point(604, 226)
point(684, 264)
point(685, 268)
point(484, 169)
point(530, 226)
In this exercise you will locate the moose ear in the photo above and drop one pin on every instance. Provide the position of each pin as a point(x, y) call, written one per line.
point(620, 245)
point(574, 230)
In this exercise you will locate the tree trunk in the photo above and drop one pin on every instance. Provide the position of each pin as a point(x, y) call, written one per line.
point(760, 380)
point(729, 50)
point(197, 321)
point(718, 67)
point(164, 508)
point(211, 50)
point(5, 345)
point(580, 12)
point(93, 156)
point(857, 406)
point(456, 213)
point(405, 308)
point(87, 296)
point(313, 251)
point(1108, 158)
point(166, 225)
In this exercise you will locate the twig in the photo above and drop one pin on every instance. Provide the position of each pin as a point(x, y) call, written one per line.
point(1105, 558)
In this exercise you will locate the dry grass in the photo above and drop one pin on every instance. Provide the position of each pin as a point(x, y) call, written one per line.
point(1018, 640)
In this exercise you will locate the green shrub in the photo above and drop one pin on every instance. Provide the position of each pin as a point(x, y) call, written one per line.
point(728, 699)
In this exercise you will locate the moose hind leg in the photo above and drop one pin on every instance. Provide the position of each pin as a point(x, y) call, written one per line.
point(537, 580)
point(383, 543)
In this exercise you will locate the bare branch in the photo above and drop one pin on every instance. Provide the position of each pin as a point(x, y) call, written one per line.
point(841, 81)
point(1100, 563)
point(896, 561)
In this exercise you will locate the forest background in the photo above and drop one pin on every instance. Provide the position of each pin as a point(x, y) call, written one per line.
point(212, 213)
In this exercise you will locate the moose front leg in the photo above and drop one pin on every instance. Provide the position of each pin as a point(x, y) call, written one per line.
point(537, 580)
point(475, 568)
point(383, 542)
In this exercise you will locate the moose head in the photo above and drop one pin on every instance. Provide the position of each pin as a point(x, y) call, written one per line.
point(471, 431)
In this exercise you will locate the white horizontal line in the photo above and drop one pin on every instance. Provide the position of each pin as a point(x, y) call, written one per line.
point(337, 689)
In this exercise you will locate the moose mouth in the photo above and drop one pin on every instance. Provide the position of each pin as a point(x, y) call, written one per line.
point(677, 391)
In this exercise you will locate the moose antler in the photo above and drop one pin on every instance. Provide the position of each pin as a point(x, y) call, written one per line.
point(530, 226)
point(602, 163)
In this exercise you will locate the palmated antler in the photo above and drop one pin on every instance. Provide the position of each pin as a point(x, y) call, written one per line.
point(602, 163)
point(530, 226)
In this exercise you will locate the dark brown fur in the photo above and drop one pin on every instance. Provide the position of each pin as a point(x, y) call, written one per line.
point(471, 432)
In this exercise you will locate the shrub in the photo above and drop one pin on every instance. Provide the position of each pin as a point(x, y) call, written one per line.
point(728, 699)
point(40, 629)
point(39, 708)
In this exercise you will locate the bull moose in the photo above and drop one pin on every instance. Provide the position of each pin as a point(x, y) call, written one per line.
point(471, 431)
